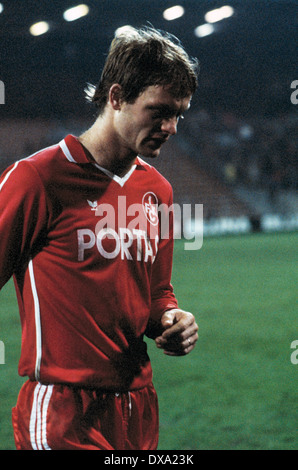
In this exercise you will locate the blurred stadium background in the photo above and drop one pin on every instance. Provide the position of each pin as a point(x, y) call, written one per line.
point(235, 153)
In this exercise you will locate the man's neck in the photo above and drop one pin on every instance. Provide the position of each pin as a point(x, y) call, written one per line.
point(104, 148)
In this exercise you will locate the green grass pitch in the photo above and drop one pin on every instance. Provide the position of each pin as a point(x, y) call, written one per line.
point(238, 389)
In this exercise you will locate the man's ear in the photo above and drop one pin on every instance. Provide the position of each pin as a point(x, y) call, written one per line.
point(115, 96)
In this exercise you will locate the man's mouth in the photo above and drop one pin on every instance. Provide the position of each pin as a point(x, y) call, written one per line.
point(158, 141)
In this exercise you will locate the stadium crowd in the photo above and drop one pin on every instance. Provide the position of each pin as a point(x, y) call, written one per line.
point(256, 153)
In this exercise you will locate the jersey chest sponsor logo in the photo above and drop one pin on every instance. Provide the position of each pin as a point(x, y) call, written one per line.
point(122, 229)
point(125, 243)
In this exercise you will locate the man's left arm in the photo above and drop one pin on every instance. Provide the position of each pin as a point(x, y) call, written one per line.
point(174, 330)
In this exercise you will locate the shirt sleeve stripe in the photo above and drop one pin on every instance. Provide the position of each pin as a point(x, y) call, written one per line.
point(8, 175)
point(37, 322)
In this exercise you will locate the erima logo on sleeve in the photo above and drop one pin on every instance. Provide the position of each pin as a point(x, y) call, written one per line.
point(93, 205)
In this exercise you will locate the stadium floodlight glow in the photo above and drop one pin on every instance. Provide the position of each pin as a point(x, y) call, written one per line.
point(204, 30)
point(75, 13)
point(219, 14)
point(227, 11)
point(1, 7)
point(37, 29)
point(173, 13)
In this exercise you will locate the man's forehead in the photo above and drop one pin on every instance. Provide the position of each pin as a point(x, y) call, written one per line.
point(161, 96)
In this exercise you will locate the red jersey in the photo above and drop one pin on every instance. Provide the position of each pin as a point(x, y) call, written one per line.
point(91, 268)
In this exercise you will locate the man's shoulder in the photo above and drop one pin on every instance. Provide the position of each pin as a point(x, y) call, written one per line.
point(153, 173)
point(46, 163)
point(22, 173)
point(43, 157)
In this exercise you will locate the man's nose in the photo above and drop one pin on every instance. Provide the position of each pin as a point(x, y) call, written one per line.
point(170, 126)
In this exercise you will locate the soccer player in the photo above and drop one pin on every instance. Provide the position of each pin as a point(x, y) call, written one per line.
point(80, 231)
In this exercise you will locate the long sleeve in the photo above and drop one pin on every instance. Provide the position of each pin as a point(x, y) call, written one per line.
point(22, 217)
point(162, 297)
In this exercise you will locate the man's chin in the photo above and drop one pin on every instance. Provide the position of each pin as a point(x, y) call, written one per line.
point(151, 153)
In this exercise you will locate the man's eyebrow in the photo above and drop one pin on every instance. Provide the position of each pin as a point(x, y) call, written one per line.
point(166, 109)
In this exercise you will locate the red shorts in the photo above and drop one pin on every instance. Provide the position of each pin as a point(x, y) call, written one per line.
point(62, 417)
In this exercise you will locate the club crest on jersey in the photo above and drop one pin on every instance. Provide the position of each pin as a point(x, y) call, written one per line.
point(150, 205)
point(93, 205)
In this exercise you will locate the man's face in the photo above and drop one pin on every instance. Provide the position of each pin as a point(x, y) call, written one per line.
point(146, 124)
